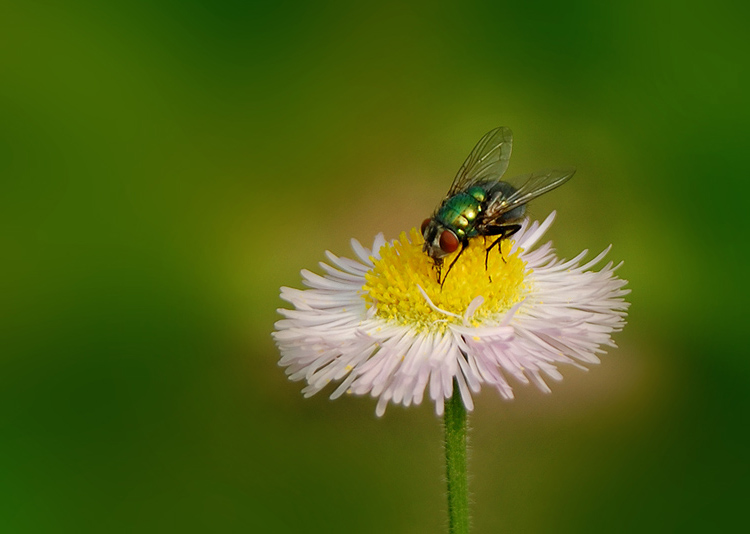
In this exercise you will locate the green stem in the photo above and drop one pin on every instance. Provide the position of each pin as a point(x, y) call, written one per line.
point(455, 462)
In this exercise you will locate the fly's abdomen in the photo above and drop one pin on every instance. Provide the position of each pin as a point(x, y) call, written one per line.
point(500, 192)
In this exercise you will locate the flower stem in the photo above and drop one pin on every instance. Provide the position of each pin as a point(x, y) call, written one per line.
point(455, 462)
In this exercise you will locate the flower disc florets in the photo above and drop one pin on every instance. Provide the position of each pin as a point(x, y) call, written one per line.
point(402, 285)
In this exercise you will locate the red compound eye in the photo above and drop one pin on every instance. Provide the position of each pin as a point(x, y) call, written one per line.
point(424, 225)
point(448, 241)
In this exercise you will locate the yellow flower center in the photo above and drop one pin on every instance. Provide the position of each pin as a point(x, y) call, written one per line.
point(392, 285)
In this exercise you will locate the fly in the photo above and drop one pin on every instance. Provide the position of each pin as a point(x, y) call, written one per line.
point(479, 204)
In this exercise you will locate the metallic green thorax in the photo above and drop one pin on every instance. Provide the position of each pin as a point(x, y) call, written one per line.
point(460, 212)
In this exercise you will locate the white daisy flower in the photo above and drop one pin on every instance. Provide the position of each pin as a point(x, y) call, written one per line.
point(383, 325)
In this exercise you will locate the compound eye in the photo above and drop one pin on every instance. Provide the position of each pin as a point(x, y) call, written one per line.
point(448, 241)
point(424, 225)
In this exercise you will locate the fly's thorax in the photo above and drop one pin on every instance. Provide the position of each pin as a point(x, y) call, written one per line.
point(478, 192)
point(460, 212)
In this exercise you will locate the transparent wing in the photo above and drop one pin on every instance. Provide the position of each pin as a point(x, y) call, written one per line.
point(487, 162)
point(530, 186)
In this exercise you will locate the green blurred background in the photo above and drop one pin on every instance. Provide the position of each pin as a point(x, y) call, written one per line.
point(166, 166)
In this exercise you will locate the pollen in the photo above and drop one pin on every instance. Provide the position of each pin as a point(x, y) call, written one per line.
point(393, 285)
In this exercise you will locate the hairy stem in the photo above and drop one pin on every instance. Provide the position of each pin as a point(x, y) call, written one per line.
point(455, 462)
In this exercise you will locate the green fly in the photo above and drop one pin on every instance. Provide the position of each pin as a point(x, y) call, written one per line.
point(479, 204)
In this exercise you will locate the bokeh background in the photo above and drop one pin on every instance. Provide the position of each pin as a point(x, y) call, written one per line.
point(166, 166)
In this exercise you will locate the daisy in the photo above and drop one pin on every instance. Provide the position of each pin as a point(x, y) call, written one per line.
point(382, 325)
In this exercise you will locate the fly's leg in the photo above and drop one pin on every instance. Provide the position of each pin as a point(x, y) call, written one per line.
point(502, 232)
point(463, 246)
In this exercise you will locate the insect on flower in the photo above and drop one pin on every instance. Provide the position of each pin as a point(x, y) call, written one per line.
point(479, 204)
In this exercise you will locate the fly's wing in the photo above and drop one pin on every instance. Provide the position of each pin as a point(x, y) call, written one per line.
point(530, 186)
point(487, 162)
